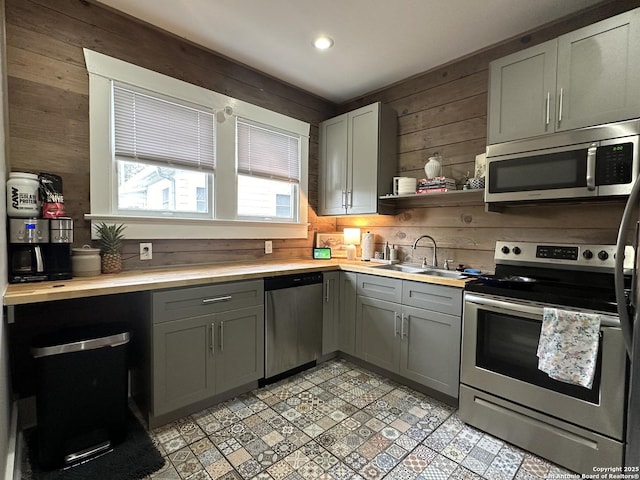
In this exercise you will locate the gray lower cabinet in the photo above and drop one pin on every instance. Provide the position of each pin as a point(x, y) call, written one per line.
point(377, 332)
point(330, 311)
point(346, 328)
point(239, 354)
point(430, 349)
point(183, 368)
point(206, 340)
point(419, 338)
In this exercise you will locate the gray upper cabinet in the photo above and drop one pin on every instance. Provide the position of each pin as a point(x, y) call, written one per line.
point(587, 77)
point(206, 340)
point(522, 93)
point(599, 72)
point(358, 152)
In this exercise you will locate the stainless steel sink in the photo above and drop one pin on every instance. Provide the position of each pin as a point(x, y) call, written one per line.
point(436, 272)
point(402, 268)
point(444, 273)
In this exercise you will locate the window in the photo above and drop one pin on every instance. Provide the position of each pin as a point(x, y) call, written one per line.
point(268, 169)
point(173, 160)
point(164, 153)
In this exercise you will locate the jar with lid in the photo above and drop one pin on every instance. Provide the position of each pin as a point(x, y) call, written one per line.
point(22, 195)
point(85, 261)
point(433, 168)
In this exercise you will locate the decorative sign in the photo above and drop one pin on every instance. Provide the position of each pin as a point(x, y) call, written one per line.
point(334, 241)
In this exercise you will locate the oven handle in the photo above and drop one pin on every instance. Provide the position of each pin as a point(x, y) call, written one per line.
point(605, 320)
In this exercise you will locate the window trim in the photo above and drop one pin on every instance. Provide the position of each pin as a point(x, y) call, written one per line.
point(103, 70)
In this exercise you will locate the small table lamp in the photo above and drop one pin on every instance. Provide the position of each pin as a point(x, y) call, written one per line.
point(351, 239)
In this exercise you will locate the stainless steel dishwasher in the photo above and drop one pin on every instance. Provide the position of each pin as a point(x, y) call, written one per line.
point(293, 323)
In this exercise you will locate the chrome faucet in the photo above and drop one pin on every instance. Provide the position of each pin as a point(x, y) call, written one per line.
point(435, 257)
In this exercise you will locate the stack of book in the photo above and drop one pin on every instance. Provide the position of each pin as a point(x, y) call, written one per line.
point(436, 184)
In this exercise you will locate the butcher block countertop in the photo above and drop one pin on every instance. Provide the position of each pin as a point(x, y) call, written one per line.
point(174, 277)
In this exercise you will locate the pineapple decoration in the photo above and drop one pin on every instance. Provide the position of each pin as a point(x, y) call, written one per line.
point(110, 243)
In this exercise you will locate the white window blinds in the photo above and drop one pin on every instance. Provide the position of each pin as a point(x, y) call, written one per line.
point(267, 153)
point(154, 129)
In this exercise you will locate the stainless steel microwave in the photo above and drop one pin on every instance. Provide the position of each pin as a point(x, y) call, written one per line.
point(599, 161)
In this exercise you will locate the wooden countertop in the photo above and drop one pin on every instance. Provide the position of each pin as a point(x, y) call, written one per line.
point(172, 277)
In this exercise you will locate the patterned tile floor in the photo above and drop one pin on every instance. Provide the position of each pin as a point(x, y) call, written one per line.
point(337, 421)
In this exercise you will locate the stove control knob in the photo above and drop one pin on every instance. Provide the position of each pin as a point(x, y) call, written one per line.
point(588, 254)
point(505, 250)
point(602, 255)
point(517, 251)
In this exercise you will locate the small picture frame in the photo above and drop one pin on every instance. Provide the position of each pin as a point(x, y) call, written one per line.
point(334, 241)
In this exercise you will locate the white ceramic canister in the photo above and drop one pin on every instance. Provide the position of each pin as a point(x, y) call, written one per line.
point(85, 261)
point(22, 195)
point(433, 168)
point(368, 245)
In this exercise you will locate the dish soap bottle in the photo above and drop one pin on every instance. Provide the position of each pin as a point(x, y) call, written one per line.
point(387, 251)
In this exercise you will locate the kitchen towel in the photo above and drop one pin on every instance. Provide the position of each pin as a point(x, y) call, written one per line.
point(568, 346)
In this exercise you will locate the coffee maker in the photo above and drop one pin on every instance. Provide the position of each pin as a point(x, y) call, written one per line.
point(28, 238)
point(39, 249)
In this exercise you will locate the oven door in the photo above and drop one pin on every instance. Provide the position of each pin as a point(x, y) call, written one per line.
point(499, 344)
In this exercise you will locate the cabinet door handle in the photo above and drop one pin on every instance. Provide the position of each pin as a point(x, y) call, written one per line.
point(326, 291)
point(403, 333)
point(548, 119)
point(212, 338)
point(560, 107)
point(395, 324)
point(591, 167)
point(344, 199)
point(350, 198)
point(221, 336)
point(226, 298)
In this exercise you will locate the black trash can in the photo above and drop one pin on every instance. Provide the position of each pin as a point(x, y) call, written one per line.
point(81, 393)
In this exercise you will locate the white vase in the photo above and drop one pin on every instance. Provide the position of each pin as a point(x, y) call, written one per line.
point(433, 168)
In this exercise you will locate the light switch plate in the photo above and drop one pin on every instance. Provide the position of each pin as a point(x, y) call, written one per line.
point(268, 246)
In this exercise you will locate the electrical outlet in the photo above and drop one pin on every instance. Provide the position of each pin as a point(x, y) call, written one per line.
point(268, 246)
point(146, 251)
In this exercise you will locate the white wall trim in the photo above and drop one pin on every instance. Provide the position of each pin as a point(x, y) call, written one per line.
point(141, 228)
point(13, 469)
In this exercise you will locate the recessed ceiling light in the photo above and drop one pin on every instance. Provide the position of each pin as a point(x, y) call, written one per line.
point(323, 42)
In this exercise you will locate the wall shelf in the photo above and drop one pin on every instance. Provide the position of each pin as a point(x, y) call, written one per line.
point(454, 198)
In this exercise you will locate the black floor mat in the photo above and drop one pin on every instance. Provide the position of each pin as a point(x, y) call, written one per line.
point(134, 458)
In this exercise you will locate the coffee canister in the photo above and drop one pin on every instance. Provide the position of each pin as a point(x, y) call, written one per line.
point(85, 261)
point(22, 195)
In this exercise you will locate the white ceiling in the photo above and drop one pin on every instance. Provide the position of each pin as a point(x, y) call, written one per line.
point(377, 42)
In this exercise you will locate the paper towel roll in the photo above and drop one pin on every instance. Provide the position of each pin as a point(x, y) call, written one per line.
point(368, 245)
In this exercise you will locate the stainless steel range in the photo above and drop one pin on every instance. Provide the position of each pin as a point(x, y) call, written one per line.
point(502, 390)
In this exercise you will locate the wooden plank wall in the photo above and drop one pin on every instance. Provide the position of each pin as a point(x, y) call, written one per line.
point(445, 110)
point(48, 109)
point(440, 110)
